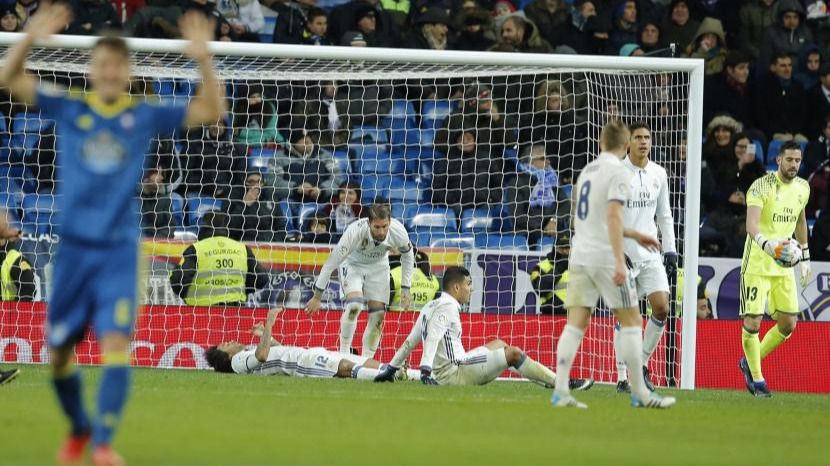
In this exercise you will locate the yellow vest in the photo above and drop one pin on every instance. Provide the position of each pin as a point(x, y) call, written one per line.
point(222, 265)
point(560, 289)
point(402, 6)
point(423, 289)
point(9, 288)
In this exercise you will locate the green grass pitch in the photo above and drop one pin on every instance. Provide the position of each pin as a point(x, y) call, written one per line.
point(180, 418)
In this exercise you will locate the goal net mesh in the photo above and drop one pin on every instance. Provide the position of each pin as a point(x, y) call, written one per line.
point(477, 161)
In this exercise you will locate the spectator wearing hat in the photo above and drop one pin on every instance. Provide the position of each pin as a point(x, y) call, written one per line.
point(367, 17)
point(550, 16)
point(481, 112)
point(254, 118)
point(9, 21)
point(475, 28)
point(587, 32)
point(710, 45)
point(550, 276)
point(780, 102)
point(92, 16)
point(755, 17)
point(787, 35)
point(624, 26)
point(718, 150)
point(425, 285)
point(809, 64)
point(519, 34)
point(679, 28)
point(431, 31)
point(730, 92)
point(819, 98)
point(649, 35)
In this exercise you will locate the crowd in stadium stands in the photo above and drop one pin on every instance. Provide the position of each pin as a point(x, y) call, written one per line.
point(298, 161)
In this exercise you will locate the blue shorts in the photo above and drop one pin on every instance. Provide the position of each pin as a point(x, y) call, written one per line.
point(92, 286)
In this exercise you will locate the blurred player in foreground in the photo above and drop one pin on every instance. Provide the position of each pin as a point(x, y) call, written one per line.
point(269, 357)
point(439, 328)
point(774, 211)
point(602, 190)
point(103, 136)
point(363, 257)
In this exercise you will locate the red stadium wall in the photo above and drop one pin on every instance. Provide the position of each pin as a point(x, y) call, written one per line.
point(171, 336)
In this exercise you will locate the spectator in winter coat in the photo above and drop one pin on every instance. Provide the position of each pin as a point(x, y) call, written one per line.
point(817, 154)
point(819, 99)
point(255, 119)
point(431, 31)
point(474, 30)
point(316, 28)
point(718, 150)
point(587, 33)
point(729, 92)
point(649, 35)
point(92, 16)
point(755, 17)
point(468, 176)
point(311, 172)
point(679, 27)
point(550, 16)
point(809, 64)
point(734, 179)
point(788, 34)
point(519, 34)
point(710, 45)
point(781, 102)
point(214, 163)
point(255, 216)
point(367, 17)
point(156, 206)
point(624, 26)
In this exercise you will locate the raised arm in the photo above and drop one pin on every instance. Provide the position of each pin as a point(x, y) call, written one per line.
point(49, 19)
point(336, 257)
point(264, 346)
point(208, 105)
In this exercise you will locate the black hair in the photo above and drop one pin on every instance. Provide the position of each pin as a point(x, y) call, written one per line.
point(454, 275)
point(639, 124)
point(789, 145)
point(219, 360)
point(214, 223)
point(314, 12)
point(779, 56)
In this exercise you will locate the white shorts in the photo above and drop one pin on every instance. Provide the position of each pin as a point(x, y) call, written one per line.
point(650, 278)
point(320, 362)
point(373, 284)
point(478, 367)
point(587, 284)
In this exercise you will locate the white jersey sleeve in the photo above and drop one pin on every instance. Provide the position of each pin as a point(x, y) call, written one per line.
point(348, 242)
point(436, 328)
point(648, 208)
point(411, 342)
point(665, 220)
point(245, 362)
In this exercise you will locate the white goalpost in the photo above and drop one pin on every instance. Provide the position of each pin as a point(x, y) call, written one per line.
point(475, 152)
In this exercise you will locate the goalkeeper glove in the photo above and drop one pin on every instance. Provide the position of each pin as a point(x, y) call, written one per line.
point(670, 262)
point(805, 266)
point(426, 376)
point(386, 374)
point(774, 248)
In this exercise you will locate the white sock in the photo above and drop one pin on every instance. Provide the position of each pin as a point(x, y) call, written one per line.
point(372, 334)
point(364, 373)
point(622, 374)
point(566, 349)
point(631, 349)
point(348, 325)
point(651, 337)
point(533, 370)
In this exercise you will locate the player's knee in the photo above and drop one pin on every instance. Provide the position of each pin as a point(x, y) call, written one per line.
point(352, 308)
point(513, 355)
point(660, 311)
point(752, 323)
point(786, 327)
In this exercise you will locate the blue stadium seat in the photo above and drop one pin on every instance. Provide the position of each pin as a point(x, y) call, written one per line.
point(433, 217)
point(25, 131)
point(460, 242)
point(501, 241)
point(402, 190)
point(197, 207)
point(759, 151)
point(369, 133)
point(177, 208)
point(427, 137)
point(372, 186)
point(477, 220)
point(371, 158)
point(341, 156)
point(306, 212)
point(401, 115)
point(38, 211)
point(774, 148)
point(434, 113)
point(285, 209)
point(426, 237)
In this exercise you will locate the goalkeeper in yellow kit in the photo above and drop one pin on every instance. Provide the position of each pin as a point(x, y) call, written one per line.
point(775, 210)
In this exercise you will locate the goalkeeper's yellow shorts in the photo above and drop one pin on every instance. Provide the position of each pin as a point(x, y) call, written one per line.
point(780, 291)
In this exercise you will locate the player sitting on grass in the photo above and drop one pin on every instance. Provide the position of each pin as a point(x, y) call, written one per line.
point(269, 357)
point(774, 211)
point(439, 328)
point(102, 137)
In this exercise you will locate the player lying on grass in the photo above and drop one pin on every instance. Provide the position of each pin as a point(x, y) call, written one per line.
point(439, 328)
point(270, 357)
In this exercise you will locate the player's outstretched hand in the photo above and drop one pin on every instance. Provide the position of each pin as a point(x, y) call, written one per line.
point(620, 272)
point(426, 377)
point(50, 18)
point(273, 313)
point(387, 374)
point(312, 306)
point(406, 299)
point(258, 329)
point(199, 30)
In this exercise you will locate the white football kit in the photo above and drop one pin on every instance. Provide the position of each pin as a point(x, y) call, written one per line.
point(292, 361)
point(363, 262)
point(649, 200)
point(591, 263)
point(439, 329)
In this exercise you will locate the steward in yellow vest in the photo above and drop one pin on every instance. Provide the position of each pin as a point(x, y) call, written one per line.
point(16, 275)
point(550, 277)
point(425, 285)
point(217, 270)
